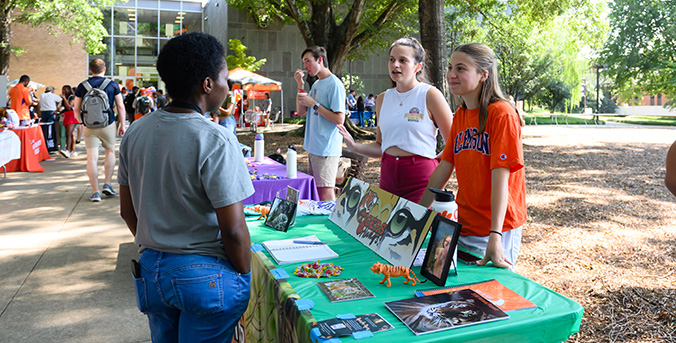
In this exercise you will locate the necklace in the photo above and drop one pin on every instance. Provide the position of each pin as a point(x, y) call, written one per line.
point(401, 102)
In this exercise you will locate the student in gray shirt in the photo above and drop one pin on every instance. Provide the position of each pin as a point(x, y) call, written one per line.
point(182, 181)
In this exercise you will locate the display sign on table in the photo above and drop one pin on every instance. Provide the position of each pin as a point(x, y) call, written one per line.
point(393, 227)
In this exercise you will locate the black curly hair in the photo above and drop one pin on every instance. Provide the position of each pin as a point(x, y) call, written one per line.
point(186, 60)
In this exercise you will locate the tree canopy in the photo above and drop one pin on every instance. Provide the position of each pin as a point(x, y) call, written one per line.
point(641, 50)
point(80, 18)
point(539, 44)
point(240, 59)
point(345, 28)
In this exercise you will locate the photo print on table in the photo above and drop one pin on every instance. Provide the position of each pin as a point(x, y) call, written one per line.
point(281, 214)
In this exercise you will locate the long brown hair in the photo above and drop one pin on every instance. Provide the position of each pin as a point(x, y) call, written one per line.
point(484, 59)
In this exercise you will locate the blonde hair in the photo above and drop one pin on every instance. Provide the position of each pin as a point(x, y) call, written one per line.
point(419, 55)
point(484, 59)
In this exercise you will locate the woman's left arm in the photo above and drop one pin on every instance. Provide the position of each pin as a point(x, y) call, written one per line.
point(439, 112)
point(499, 198)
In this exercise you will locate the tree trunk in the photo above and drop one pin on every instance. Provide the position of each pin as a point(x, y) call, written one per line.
point(432, 38)
point(355, 130)
point(5, 34)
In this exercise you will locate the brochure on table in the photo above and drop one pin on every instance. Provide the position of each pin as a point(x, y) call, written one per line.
point(393, 227)
point(503, 297)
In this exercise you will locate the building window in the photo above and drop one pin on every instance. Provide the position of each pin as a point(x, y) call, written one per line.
point(652, 100)
point(659, 99)
point(137, 30)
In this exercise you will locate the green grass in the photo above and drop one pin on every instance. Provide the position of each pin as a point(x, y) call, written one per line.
point(582, 119)
point(571, 119)
point(294, 120)
point(640, 120)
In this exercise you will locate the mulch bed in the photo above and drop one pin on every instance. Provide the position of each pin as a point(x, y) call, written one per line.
point(600, 230)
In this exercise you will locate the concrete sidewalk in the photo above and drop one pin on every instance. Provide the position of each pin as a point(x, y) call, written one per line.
point(64, 261)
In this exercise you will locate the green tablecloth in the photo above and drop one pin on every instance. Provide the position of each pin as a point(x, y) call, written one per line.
point(272, 317)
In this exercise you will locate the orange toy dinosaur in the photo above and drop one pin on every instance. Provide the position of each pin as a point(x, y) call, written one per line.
point(263, 210)
point(394, 271)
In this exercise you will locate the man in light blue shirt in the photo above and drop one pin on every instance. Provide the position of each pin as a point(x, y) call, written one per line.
point(325, 108)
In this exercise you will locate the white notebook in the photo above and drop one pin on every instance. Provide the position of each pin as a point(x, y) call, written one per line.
point(286, 251)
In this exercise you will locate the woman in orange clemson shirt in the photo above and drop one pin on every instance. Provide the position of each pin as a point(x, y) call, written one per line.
point(486, 152)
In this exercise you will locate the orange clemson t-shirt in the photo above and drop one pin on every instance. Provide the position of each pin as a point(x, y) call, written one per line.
point(475, 156)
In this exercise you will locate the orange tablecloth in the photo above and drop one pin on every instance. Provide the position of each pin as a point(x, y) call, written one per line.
point(33, 150)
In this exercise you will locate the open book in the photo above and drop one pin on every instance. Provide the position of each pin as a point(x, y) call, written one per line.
point(286, 251)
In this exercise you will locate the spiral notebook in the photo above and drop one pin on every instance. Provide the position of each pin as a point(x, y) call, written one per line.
point(286, 251)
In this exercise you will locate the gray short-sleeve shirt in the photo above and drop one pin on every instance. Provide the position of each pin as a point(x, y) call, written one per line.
point(179, 168)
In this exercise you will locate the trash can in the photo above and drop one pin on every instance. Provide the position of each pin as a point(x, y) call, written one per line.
point(51, 137)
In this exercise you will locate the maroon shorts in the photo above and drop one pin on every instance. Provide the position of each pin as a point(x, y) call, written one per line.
point(406, 176)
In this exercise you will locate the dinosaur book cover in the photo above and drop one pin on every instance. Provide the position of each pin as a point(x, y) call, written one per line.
point(445, 311)
point(343, 290)
point(392, 227)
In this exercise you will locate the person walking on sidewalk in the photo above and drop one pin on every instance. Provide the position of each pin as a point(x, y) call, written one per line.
point(183, 202)
point(69, 121)
point(105, 135)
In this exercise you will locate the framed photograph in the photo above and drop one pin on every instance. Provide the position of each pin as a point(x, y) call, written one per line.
point(292, 195)
point(440, 251)
point(281, 214)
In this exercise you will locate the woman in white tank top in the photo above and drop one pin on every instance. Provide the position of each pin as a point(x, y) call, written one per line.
point(409, 116)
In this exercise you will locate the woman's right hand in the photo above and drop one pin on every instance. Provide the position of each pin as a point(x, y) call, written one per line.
point(347, 137)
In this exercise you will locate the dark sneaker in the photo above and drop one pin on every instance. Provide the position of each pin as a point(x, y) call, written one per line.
point(108, 190)
point(96, 197)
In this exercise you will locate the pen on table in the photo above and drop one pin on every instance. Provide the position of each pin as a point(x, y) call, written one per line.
point(308, 242)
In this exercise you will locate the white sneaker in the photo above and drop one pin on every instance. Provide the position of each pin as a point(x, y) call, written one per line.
point(65, 153)
point(74, 154)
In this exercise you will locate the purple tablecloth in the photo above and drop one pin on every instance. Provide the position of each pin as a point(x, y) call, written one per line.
point(266, 189)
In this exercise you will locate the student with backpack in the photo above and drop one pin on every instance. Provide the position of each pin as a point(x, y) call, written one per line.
point(143, 104)
point(95, 99)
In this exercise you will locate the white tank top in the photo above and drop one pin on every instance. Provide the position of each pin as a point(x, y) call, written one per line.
point(408, 126)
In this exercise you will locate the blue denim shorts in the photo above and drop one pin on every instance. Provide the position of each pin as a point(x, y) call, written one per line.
point(190, 298)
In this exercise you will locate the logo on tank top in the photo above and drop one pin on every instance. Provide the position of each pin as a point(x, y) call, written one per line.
point(468, 140)
point(414, 115)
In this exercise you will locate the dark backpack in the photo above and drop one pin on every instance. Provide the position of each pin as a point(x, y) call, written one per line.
point(143, 104)
point(96, 111)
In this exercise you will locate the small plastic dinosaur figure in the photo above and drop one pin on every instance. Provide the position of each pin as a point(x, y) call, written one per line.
point(263, 210)
point(393, 271)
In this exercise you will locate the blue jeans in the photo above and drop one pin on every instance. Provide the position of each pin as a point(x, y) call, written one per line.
point(190, 298)
point(360, 114)
point(47, 116)
point(229, 123)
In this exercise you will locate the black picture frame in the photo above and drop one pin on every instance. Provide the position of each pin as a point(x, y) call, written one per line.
point(282, 212)
point(439, 257)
